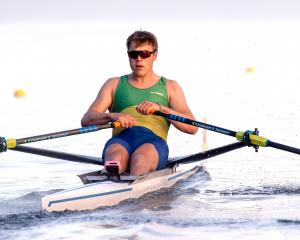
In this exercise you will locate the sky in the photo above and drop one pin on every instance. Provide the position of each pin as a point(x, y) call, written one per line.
point(87, 10)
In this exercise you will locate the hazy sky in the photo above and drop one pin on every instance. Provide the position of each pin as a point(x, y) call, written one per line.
point(78, 10)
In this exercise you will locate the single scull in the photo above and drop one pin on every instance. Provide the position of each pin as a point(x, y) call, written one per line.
point(101, 191)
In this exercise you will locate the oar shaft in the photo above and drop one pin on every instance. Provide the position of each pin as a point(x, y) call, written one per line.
point(12, 143)
point(59, 155)
point(62, 134)
point(254, 140)
point(196, 123)
point(283, 147)
point(206, 154)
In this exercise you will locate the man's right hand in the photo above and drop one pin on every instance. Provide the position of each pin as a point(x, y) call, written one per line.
point(126, 120)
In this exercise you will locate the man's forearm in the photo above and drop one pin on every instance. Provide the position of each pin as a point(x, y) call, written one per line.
point(91, 118)
point(181, 126)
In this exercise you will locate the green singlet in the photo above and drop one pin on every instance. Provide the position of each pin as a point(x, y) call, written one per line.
point(127, 97)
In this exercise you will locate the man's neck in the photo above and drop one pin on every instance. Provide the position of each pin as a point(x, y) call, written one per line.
point(143, 81)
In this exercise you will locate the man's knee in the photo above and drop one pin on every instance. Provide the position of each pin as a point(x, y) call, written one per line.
point(117, 152)
point(144, 160)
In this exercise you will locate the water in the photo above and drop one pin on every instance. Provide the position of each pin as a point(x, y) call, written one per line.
point(240, 195)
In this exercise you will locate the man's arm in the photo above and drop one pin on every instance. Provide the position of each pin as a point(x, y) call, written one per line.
point(178, 106)
point(97, 112)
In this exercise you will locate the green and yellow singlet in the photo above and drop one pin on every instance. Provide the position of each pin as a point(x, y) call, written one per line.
point(127, 97)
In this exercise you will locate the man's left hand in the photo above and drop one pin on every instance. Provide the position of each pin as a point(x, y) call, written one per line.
point(146, 106)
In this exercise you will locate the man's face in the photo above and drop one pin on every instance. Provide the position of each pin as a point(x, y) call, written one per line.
point(143, 56)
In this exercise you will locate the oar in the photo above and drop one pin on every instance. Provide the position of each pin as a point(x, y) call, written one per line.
point(60, 155)
point(249, 137)
point(206, 154)
point(12, 143)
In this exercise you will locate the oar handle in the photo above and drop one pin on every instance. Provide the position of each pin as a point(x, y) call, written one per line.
point(11, 143)
point(116, 125)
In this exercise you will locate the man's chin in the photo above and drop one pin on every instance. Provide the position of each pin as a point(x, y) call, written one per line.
point(140, 73)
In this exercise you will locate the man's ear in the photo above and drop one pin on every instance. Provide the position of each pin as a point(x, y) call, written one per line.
point(155, 55)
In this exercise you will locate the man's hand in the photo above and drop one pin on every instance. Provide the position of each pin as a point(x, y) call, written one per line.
point(126, 120)
point(146, 106)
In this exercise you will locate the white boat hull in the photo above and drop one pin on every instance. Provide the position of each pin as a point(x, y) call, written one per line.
point(110, 192)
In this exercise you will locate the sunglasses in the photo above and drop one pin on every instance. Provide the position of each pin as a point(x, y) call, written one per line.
point(142, 54)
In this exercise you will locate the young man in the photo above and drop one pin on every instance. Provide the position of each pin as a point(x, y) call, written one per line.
point(140, 145)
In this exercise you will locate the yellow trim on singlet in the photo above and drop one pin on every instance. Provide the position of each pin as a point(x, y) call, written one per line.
point(158, 125)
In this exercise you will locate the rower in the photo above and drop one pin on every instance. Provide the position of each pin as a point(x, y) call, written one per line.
point(140, 143)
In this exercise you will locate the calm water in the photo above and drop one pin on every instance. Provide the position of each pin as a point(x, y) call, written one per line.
point(240, 195)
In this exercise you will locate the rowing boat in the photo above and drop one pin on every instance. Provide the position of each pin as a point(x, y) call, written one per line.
point(100, 191)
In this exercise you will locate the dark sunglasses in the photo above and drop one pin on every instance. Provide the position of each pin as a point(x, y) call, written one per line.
point(142, 54)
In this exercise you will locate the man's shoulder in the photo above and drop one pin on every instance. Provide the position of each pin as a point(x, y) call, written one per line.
point(113, 80)
point(171, 84)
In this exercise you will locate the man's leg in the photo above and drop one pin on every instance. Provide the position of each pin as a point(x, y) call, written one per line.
point(117, 152)
point(144, 159)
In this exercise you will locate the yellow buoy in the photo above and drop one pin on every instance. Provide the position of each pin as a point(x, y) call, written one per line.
point(19, 93)
point(250, 70)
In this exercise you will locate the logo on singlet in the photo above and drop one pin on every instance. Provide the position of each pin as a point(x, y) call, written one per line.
point(157, 93)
